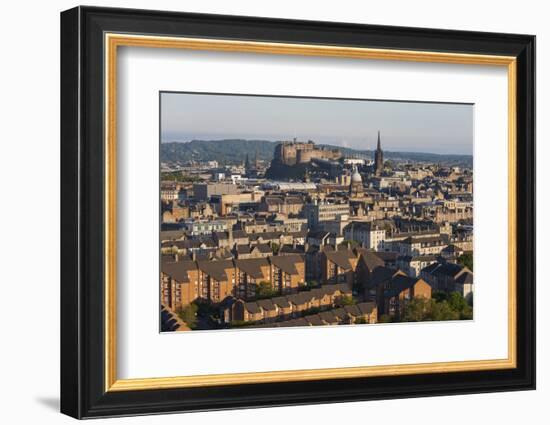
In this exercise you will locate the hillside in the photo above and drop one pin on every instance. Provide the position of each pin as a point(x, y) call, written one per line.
point(235, 150)
point(224, 151)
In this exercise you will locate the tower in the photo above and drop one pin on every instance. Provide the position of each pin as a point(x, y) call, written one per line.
point(378, 158)
point(356, 186)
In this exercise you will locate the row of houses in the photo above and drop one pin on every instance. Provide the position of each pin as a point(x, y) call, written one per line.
point(283, 307)
point(183, 282)
point(215, 279)
point(361, 313)
point(234, 241)
point(361, 269)
point(375, 236)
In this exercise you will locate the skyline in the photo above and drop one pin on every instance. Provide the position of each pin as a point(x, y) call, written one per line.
point(438, 128)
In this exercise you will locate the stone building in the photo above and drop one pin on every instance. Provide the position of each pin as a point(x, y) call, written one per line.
point(185, 281)
point(294, 152)
point(356, 189)
point(394, 293)
point(449, 277)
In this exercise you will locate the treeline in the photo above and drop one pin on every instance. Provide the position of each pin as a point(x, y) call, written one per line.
point(442, 306)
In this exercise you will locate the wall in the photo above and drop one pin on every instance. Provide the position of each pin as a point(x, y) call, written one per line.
point(29, 87)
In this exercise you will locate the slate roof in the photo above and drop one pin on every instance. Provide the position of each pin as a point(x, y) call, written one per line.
point(265, 235)
point(179, 271)
point(314, 320)
point(282, 302)
point(170, 235)
point(264, 248)
point(287, 263)
point(253, 267)
point(215, 269)
point(399, 283)
point(240, 234)
point(447, 269)
point(318, 234)
point(243, 249)
point(266, 304)
point(290, 249)
point(252, 307)
point(370, 259)
point(408, 258)
point(382, 274)
point(328, 317)
point(387, 256)
point(341, 258)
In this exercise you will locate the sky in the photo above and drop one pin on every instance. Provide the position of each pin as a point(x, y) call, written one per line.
point(441, 128)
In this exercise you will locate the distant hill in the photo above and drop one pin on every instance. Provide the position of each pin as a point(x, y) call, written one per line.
point(228, 150)
point(235, 150)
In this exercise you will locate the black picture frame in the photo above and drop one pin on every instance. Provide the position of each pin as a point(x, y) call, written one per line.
point(82, 218)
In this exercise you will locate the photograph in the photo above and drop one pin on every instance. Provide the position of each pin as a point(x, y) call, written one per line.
point(233, 185)
point(280, 211)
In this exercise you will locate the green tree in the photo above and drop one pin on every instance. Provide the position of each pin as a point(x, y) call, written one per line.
point(467, 260)
point(274, 248)
point(442, 306)
point(343, 300)
point(189, 315)
point(443, 311)
point(467, 313)
point(439, 296)
point(417, 310)
point(456, 301)
point(265, 290)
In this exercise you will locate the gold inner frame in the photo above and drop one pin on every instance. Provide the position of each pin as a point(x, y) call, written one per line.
point(113, 41)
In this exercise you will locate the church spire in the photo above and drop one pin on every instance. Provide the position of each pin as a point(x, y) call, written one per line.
point(378, 158)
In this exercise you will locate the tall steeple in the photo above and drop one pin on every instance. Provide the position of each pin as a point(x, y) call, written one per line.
point(378, 158)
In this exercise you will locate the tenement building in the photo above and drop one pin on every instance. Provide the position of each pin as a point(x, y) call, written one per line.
point(183, 282)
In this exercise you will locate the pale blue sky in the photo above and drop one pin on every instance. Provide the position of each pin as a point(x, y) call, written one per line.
point(404, 126)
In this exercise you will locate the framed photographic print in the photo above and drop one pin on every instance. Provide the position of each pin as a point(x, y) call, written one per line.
point(261, 212)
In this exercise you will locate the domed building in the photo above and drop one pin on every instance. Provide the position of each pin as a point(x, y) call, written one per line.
point(356, 186)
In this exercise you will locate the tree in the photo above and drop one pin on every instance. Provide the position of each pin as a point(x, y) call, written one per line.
point(442, 306)
point(189, 315)
point(443, 311)
point(467, 260)
point(274, 248)
point(343, 300)
point(265, 290)
point(457, 301)
point(467, 313)
point(439, 296)
point(384, 318)
point(417, 310)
